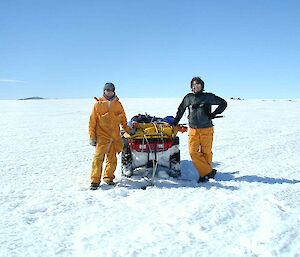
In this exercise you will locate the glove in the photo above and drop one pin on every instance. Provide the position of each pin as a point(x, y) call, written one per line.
point(93, 141)
point(212, 116)
point(132, 131)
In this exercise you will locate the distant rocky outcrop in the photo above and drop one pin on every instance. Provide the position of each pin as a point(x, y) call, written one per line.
point(32, 98)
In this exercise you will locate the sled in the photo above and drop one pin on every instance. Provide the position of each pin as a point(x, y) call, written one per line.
point(154, 144)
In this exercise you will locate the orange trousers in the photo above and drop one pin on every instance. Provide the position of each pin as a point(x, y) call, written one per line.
point(103, 151)
point(200, 148)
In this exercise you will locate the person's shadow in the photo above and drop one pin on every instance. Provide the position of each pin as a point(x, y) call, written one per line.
point(231, 176)
point(189, 177)
point(228, 176)
point(189, 173)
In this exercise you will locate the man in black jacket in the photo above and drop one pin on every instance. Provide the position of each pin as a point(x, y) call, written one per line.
point(201, 127)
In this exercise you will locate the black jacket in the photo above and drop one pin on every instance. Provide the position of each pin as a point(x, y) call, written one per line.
point(199, 106)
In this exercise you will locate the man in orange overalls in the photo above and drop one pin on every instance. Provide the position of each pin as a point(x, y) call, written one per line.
point(104, 131)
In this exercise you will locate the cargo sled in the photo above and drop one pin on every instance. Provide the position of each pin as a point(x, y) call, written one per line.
point(154, 144)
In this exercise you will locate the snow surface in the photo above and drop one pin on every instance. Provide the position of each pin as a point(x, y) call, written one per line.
point(250, 209)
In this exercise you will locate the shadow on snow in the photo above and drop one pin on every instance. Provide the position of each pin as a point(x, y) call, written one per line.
point(189, 177)
point(229, 176)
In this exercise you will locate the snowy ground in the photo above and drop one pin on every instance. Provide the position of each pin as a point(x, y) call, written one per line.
point(251, 209)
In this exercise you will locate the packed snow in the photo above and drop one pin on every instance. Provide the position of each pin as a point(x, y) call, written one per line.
point(250, 209)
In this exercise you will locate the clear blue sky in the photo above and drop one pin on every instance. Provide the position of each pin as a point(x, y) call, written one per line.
point(70, 48)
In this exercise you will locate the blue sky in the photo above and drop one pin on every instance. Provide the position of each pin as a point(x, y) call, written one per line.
point(70, 48)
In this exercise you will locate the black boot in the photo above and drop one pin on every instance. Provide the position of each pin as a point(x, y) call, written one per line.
point(202, 179)
point(212, 174)
point(94, 186)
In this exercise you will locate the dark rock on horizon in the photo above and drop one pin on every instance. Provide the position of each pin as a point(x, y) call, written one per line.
point(32, 98)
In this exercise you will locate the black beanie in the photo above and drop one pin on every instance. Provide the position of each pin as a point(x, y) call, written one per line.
point(109, 86)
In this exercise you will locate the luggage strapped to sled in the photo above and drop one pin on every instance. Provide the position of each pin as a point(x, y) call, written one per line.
point(161, 134)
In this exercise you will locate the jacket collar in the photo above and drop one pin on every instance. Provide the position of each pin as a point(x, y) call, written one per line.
point(199, 93)
point(114, 98)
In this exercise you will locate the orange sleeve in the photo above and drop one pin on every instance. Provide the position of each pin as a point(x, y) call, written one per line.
point(93, 123)
point(124, 120)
